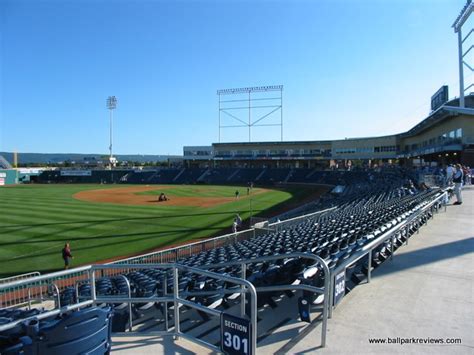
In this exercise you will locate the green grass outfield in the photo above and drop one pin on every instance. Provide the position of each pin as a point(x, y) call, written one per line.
point(36, 221)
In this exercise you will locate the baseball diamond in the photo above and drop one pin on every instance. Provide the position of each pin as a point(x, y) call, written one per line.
point(105, 222)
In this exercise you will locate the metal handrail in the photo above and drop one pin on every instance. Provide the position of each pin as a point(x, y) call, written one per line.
point(175, 253)
point(368, 248)
point(228, 237)
point(306, 216)
point(20, 277)
point(184, 247)
point(47, 314)
point(247, 287)
point(325, 290)
point(45, 277)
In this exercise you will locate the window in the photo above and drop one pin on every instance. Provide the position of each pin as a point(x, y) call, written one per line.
point(346, 151)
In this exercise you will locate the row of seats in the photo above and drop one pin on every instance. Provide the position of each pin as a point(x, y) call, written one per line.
point(83, 331)
point(226, 175)
point(96, 176)
point(334, 237)
point(364, 211)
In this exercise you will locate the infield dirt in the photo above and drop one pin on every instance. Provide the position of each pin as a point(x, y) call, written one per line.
point(130, 196)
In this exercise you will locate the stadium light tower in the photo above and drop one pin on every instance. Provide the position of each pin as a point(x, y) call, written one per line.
point(111, 105)
point(457, 25)
point(244, 99)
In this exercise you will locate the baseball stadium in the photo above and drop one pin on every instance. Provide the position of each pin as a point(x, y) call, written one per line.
point(254, 247)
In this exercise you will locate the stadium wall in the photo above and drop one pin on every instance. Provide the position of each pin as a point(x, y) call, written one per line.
point(8, 177)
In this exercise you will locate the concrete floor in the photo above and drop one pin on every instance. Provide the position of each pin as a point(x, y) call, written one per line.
point(425, 292)
point(144, 344)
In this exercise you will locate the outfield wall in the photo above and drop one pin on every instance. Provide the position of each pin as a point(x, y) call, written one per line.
point(8, 177)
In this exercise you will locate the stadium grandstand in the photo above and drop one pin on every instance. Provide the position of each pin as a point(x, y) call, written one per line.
point(446, 136)
point(378, 244)
point(230, 293)
point(242, 279)
point(232, 278)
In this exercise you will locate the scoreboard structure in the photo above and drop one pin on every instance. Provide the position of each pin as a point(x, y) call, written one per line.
point(440, 98)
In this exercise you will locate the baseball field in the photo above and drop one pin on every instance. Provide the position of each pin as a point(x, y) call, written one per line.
point(104, 222)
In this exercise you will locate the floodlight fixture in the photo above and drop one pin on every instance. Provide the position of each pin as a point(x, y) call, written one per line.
point(250, 89)
point(233, 108)
point(457, 25)
point(463, 16)
point(111, 102)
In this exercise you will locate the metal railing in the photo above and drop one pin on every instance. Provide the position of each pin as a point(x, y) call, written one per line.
point(174, 254)
point(21, 291)
point(433, 180)
point(326, 290)
point(33, 288)
point(178, 253)
point(91, 273)
point(279, 225)
point(390, 234)
point(175, 298)
point(20, 295)
point(20, 277)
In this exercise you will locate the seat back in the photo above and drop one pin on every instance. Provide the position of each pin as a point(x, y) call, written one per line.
point(87, 331)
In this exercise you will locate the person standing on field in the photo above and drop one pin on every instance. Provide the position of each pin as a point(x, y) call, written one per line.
point(67, 255)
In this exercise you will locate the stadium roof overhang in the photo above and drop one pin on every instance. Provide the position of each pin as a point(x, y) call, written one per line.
point(437, 117)
point(460, 110)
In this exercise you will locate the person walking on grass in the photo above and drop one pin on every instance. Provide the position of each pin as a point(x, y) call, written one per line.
point(67, 255)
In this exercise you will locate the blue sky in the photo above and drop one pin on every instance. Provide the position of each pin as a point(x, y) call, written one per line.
point(349, 69)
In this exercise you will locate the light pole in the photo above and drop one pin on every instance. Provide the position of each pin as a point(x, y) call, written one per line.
point(111, 105)
point(467, 10)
